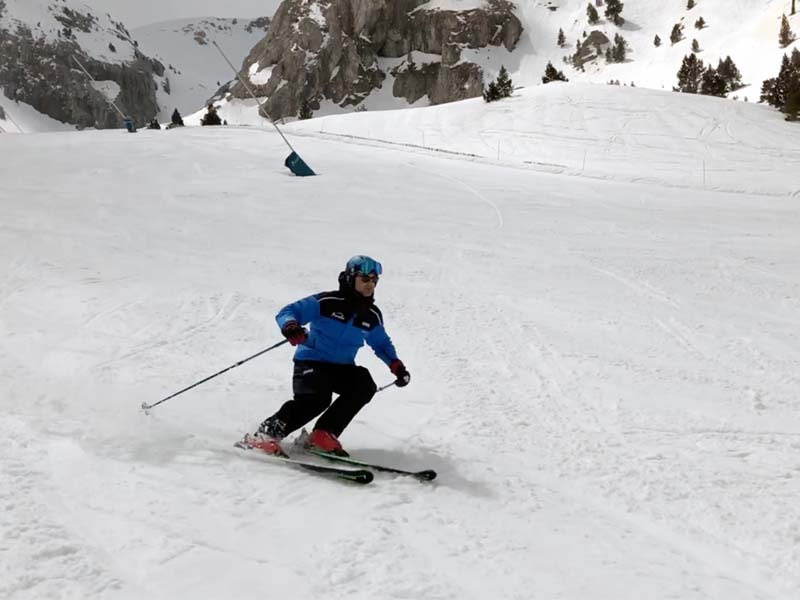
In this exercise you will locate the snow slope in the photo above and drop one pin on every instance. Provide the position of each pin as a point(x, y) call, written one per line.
point(604, 373)
point(746, 30)
point(599, 131)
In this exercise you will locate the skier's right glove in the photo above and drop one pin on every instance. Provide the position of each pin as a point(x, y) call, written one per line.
point(294, 333)
point(399, 370)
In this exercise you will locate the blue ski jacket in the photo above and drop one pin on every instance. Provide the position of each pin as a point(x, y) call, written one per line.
point(337, 329)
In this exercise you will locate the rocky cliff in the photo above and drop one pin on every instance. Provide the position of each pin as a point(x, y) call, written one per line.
point(37, 65)
point(341, 50)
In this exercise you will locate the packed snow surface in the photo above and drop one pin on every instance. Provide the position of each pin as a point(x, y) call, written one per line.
point(605, 369)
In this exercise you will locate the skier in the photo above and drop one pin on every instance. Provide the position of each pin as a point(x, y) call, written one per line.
point(324, 362)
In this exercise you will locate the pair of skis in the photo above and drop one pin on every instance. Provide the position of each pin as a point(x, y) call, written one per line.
point(360, 471)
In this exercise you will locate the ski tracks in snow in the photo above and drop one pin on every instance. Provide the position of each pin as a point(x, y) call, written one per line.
point(40, 555)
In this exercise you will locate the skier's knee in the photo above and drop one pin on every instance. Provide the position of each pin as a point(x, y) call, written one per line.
point(314, 401)
point(366, 385)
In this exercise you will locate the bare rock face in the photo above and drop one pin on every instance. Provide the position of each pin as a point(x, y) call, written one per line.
point(335, 49)
point(38, 67)
point(591, 48)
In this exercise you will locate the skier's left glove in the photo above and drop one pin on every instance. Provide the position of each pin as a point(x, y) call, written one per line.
point(399, 370)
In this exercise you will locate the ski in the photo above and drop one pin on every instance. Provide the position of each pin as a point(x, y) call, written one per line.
point(361, 476)
point(425, 475)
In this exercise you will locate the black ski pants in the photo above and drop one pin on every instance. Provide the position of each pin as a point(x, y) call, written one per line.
point(314, 384)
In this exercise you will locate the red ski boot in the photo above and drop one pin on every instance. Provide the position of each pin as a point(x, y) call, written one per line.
point(325, 441)
point(259, 441)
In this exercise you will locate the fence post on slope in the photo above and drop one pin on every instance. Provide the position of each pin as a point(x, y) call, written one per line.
point(293, 162)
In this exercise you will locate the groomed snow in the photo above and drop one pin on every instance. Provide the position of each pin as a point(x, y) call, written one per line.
point(599, 131)
point(605, 373)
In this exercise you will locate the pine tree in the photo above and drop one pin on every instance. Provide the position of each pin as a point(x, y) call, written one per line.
point(552, 74)
point(591, 12)
point(505, 87)
point(788, 79)
point(786, 36)
point(690, 5)
point(700, 23)
point(500, 88)
point(776, 91)
point(695, 46)
point(657, 41)
point(613, 12)
point(305, 110)
point(561, 39)
point(792, 106)
point(677, 33)
point(490, 93)
point(619, 50)
point(690, 74)
point(712, 83)
point(730, 73)
point(769, 93)
point(211, 117)
point(176, 118)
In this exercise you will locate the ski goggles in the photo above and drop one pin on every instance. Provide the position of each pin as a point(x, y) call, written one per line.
point(368, 266)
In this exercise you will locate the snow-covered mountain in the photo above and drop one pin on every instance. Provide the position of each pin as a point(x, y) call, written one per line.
point(194, 69)
point(148, 12)
point(44, 47)
point(746, 30)
point(604, 364)
point(176, 59)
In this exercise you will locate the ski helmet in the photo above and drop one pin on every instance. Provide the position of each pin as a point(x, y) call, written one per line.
point(361, 265)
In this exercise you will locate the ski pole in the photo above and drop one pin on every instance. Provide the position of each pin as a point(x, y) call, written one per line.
point(388, 385)
point(146, 406)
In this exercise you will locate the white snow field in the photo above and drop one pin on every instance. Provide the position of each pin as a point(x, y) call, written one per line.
point(605, 371)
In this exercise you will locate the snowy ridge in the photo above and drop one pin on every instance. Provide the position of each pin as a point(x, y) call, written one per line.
point(604, 372)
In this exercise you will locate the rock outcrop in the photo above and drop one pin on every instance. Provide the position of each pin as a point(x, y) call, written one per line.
point(38, 67)
point(342, 50)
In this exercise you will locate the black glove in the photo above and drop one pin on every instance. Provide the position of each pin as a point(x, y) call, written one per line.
point(399, 370)
point(294, 333)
